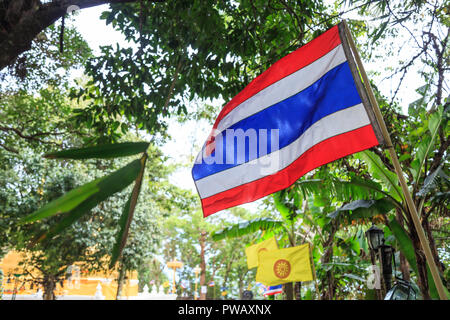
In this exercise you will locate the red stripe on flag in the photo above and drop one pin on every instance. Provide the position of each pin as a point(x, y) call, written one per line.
point(287, 65)
point(322, 153)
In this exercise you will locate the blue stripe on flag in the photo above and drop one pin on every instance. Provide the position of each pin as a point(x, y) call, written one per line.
point(291, 117)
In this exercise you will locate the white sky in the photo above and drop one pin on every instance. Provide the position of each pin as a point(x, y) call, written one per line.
point(97, 34)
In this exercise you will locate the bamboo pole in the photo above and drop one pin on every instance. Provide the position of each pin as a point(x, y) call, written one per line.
point(398, 170)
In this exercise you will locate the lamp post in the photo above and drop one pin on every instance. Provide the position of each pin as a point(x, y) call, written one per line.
point(375, 237)
point(174, 265)
point(384, 253)
point(196, 271)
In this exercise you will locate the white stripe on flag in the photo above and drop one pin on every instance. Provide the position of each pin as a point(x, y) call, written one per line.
point(284, 88)
point(332, 125)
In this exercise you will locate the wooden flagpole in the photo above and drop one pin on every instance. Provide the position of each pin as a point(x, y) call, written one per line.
point(412, 208)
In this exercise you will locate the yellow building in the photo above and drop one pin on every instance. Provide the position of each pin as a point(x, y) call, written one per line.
point(81, 283)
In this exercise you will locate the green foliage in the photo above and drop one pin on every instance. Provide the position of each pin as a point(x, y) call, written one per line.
point(436, 182)
point(64, 204)
point(198, 51)
point(426, 145)
point(247, 227)
point(101, 152)
point(19, 127)
point(188, 50)
point(127, 215)
point(362, 209)
point(44, 65)
point(379, 172)
point(92, 194)
point(407, 249)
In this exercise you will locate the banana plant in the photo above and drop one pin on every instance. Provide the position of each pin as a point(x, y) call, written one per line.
point(78, 202)
point(247, 227)
point(420, 187)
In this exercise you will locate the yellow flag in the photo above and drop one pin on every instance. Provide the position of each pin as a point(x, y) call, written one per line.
point(284, 265)
point(252, 251)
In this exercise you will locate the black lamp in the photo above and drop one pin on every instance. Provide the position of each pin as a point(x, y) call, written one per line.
point(385, 253)
point(375, 237)
point(402, 290)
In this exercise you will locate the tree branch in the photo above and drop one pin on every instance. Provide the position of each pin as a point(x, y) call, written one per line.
point(10, 149)
point(22, 23)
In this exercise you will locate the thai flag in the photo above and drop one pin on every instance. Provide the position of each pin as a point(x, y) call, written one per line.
point(305, 111)
point(211, 284)
point(270, 291)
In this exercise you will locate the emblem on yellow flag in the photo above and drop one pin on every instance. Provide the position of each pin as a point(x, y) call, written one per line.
point(284, 265)
point(252, 251)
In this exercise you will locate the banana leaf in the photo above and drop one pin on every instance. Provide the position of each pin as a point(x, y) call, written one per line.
point(65, 203)
point(247, 227)
point(378, 171)
point(426, 145)
point(287, 213)
point(101, 152)
point(433, 181)
point(361, 209)
point(127, 215)
point(107, 186)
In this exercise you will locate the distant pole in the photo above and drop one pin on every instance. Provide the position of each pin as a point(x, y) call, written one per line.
point(398, 170)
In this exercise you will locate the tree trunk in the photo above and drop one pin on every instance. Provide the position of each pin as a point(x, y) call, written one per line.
point(298, 291)
point(227, 272)
point(328, 286)
point(422, 278)
point(21, 21)
point(427, 229)
point(288, 291)
point(404, 266)
point(120, 281)
point(49, 287)
point(241, 287)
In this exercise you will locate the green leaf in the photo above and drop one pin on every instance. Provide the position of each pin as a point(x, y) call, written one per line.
point(404, 157)
point(101, 152)
point(284, 210)
point(127, 216)
point(434, 121)
point(420, 156)
point(63, 204)
point(379, 32)
point(107, 186)
point(426, 145)
point(362, 240)
point(357, 188)
point(432, 181)
point(247, 227)
point(355, 277)
point(378, 170)
point(361, 209)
